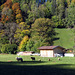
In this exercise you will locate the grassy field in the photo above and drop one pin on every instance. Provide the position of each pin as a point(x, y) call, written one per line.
point(9, 65)
point(65, 38)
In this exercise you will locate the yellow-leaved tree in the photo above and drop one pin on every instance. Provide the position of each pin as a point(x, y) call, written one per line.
point(22, 30)
point(22, 45)
point(68, 2)
point(19, 18)
point(73, 1)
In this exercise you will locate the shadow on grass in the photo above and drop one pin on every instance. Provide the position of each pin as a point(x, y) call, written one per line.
point(24, 63)
point(20, 68)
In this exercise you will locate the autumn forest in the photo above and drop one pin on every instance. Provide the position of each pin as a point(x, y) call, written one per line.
point(26, 25)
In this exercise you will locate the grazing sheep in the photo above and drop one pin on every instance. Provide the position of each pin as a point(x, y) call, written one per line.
point(58, 58)
point(48, 59)
point(19, 59)
point(39, 60)
point(33, 58)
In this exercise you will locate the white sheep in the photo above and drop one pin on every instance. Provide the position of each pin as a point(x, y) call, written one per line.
point(39, 59)
point(58, 58)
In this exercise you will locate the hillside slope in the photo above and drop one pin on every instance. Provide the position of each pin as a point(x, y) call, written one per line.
point(65, 38)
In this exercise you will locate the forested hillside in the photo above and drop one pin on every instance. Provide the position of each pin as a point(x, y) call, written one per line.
point(26, 25)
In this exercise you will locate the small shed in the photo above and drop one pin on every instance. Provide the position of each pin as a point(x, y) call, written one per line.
point(51, 51)
point(25, 53)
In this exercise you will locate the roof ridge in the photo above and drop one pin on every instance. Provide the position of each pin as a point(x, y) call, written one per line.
point(49, 47)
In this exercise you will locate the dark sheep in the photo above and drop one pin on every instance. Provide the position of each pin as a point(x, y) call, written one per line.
point(48, 59)
point(33, 58)
point(19, 59)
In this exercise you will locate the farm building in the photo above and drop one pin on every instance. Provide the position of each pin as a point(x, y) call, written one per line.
point(25, 53)
point(51, 51)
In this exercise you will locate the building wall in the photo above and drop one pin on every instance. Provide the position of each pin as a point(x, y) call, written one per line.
point(25, 53)
point(58, 50)
point(46, 53)
point(50, 53)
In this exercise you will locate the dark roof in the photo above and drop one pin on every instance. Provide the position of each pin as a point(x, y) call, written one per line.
point(49, 47)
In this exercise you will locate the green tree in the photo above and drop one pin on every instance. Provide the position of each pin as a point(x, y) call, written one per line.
point(43, 28)
point(53, 7)
point(33, 13)
point(29, 45)
point(42, 33)
point(34, 42)
point(16, 1)
point(25, 9)
point(9, 48)
point(55, 19)
point(48, 9)
point(70, 16)
point(7, 33)
point(60, 9)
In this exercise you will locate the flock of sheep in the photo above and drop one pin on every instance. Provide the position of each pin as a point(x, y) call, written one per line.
point(33, 58)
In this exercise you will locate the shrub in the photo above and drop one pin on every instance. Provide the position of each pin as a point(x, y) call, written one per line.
point(0, 47)
point(9, 48)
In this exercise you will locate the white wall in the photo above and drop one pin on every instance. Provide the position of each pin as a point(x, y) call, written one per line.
point(46, 53)
point(69, 55)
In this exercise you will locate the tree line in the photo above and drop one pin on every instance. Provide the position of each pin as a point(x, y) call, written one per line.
point(26, 25)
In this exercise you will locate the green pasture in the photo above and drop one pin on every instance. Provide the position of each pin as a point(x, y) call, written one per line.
point(64, 37)
point(10, 66)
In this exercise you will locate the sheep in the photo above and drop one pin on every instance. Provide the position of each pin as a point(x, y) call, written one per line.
point(33, 58)
point(48, 59)
point(39, 59)
point(19, 59)
point(58, 58)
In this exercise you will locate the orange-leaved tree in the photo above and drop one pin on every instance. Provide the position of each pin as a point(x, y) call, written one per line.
point(17, 12)
point(73, 1)
point(7, 15)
